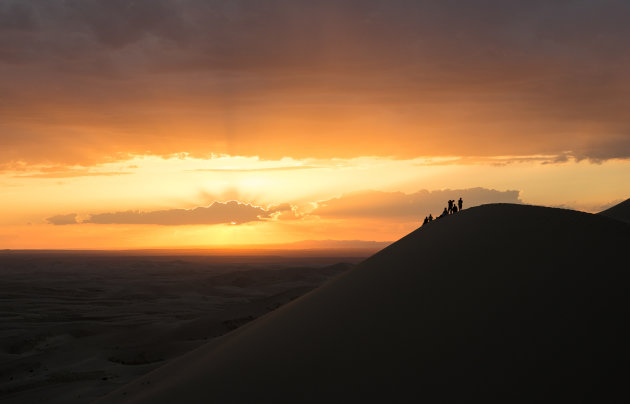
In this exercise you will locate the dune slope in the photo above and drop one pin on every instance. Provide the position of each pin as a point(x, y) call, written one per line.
point(510, 302)
point(620, 211)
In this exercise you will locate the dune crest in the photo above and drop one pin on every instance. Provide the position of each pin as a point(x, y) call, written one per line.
point(620, 211)
point(499, 302)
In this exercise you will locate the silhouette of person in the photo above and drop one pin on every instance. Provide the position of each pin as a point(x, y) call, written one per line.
point(450, 205)
point(426, 220)
point(460, 203)
point(454, 209)
point(430, 218)
point(444, 213)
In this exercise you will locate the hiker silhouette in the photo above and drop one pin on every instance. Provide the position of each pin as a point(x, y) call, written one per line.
point(450, 205)
point(460, 203)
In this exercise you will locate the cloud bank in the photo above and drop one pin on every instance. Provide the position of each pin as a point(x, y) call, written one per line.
point(374, 205)
point(100, 79)
point(62, 220)
point(232, 212)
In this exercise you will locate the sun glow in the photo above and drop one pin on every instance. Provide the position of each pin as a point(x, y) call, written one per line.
point(280, 196)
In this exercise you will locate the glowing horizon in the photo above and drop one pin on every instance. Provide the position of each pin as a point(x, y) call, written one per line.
point(150, 201)
point(121, 123)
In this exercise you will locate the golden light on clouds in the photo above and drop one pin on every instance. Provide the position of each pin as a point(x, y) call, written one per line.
point(184, 201)
point(151, 111)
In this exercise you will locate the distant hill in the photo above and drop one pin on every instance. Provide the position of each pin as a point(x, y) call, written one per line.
point(509, 303)
point(334, 244)
point(619, 212)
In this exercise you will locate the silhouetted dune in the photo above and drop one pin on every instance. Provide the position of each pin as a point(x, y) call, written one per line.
point(620, 211)
point(499, 302)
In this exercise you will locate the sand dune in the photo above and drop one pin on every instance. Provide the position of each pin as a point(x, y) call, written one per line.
point(499, 302)
point(620, 211)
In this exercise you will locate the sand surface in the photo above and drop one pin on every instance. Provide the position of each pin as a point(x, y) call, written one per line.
point(620, 211)
point(75, 326)
point(502, 303)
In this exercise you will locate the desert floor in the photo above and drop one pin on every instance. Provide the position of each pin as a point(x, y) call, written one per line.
point(75, 326)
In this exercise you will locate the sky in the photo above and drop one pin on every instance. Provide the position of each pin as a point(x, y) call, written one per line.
point(189, 123)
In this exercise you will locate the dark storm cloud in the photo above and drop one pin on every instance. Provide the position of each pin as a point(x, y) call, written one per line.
point(97, 78)
point(284, 34)
point(217, 213)
point(388, 205)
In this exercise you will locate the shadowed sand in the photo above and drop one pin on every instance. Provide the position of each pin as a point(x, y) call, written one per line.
point(499, 302)
point(619, 212)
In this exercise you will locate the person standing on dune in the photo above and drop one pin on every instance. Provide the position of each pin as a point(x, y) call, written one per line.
point(460, 203)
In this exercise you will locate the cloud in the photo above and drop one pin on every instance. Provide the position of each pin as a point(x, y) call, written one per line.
point(373, 205)
point(401, 206)
point(72, 174)
point(62, 220)
point(20, 169)
point(599, 150)
point(95, 80)
point(285, 211)
point(246, 170)
point(217, 213)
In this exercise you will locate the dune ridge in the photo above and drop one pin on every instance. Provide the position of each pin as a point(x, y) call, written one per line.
point(498, 302)
point(620, 211)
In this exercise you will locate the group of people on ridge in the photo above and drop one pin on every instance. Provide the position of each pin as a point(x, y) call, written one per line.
point(452, 208)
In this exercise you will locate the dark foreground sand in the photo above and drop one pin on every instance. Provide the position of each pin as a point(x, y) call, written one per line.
point(75, 326)
point(619, 212)
point(504, 303)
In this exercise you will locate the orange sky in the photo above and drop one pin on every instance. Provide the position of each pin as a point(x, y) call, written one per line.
point(123, 122)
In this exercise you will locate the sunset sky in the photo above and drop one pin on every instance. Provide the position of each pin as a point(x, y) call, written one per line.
point(190, 123)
